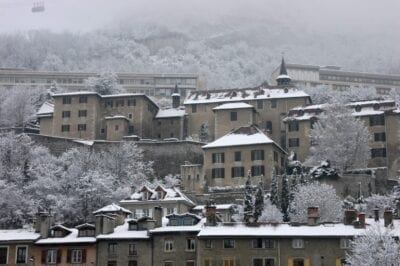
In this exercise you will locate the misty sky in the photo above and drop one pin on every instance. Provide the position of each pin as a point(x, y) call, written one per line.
point(318, 15)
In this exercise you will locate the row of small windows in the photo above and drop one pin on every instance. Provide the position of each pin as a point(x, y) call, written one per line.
point(81, 113)
point(256, 170)
point(256, 155)
point(68, 99)
point(119, 103)
point(67, 128)
point(359, 79)
point(260, 105)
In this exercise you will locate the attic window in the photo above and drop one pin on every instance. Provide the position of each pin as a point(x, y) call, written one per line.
point(285, 90)
point(358, 108)
point(376, 106)
point(234, 94)
point(145, 195)
point(159, 195)
point(301, 112)
point(133, 227)
point(58, 233)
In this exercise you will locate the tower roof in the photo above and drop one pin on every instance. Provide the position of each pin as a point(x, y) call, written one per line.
point(283, 78)
point(283, 70)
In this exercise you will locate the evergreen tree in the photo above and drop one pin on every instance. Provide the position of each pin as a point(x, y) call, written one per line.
point(285, 198)
point(248, 200)
point(274, 190)
point(259, 201)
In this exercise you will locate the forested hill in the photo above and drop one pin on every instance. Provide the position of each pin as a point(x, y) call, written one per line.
point(229, 52)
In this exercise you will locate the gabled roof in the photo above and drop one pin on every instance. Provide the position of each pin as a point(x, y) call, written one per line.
point(46, 110)
point(85, 225)
point(168, 113)
point(112, 208)
point(72, 238)
point(229, 106)
point(247, 135)
point(123, 232)
point(61, 227)
point(18, 235)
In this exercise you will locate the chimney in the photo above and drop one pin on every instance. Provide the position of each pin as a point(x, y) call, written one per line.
point(388, 217)
point(312, 215)
point(211, 214)
point(376, 215)
point(157, 216)
point(104, 224)
point(349, 216)
point(43, 223)
point(361, 219)
point(176, 98)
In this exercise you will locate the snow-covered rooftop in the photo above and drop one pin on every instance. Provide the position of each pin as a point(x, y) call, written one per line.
point(166, 113)
point(112, 208)
point(70, 238)
point(240, 95)
point(47, 109)
point(170, 194)
point(116, 117)
point(180, 228)
point(18, 235)
point(75, 93)
point(287, 230)
point(228, 106)
point(218, 206)
point(250, 135)
point(123, 232)
point(122, 95)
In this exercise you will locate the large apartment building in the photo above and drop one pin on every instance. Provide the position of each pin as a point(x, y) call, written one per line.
point(337, 78)
point(381, 117)
point(157, 85)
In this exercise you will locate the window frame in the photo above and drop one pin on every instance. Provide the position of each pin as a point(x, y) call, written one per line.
point(218, 173)
point(66, 114)
point(345, 243)
point(294, 142)
point(26, 254)
point(293, 126)
point(52, 254)
point(237, 171)
point(234, 116)
point(132, 249)
point(83, 99)
point(82, 113)
point(218, 157)
point(7, 253)
point(228, 243)
point(81, 127)
point(112, 249)
point(237, 156)
point(297, 243)
point(65, 128)
point(190, 244)
point(257, 155)
point(67, 100)
point(380, 136)
point(76, 259)
point(169, 245)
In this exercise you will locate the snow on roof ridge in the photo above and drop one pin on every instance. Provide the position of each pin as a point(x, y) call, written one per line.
point(112, 208)
point(171, 112)
point(236, 105)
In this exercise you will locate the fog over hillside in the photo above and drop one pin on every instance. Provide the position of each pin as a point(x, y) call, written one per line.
point(231, 43)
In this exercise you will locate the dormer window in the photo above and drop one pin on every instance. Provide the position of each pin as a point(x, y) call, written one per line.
point(58, 233)
point(159, 195)
point(86, 232)
point(358, 108)
point(173, 222)
point(145, 195)
point(133, 227)
point(376, 106)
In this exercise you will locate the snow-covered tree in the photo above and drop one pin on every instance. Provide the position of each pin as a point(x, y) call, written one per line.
point(170, 181)
point(318, 195)
point(274, 192)
point(259, 201)
point(285, 198)
point(376, 246)
point(341, 138)
point(379, 201)
point(106, 83)
point(270, 213)
point(248, 200)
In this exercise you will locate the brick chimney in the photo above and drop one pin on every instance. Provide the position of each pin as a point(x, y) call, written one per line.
point(388, 217)
point(361, 219)
point(104, 224)
point(312, 215)
point(376, 215)
point(211, 214)
point(157, 216)
point(350, 216)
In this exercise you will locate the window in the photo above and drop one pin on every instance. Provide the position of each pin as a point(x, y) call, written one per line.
point(298, 262)
point(268, 126)
point(257, 170)
point(67, 100)
point(260, 105)
point(378, 153)
point(76, 256)
point(112, 249)
point(116, 127)
point(21, 254)
point(273, 103)
point(377, 120)
point(146, 212)
point(119, 103)
point(380, 136)
point(276, 156)
point(229, 243)
point(237, 171)
point(269, 262)
point(190, 244)
point(218, 173)
point(81, 127)
point(190, 263)
point(194, 108)
point(3, 255)
point(238, 156)
point(218, 157)
point(131, 102)
point(345, 243)
point(83, 99)
point(66, 114)
point(109, 103)
point(102, 131)
point(82, 113)
point(112, 263)
point(257, 155)
point(51, 256)
point(208, 243)
point(132, 263)
point(297, 243)
point(168, 245)
point(130, 116)
point(132, 251)
point(358, 108)
point(293, 126)
point(208, 262)
point(234, 116)
point(263, 243)
point(130, 129)
point(170, 211)
point(168, 263)
point(64, 128)
point(228, 262)
point(294, 142)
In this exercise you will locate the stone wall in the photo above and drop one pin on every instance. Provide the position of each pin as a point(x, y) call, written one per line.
point(167, 156)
